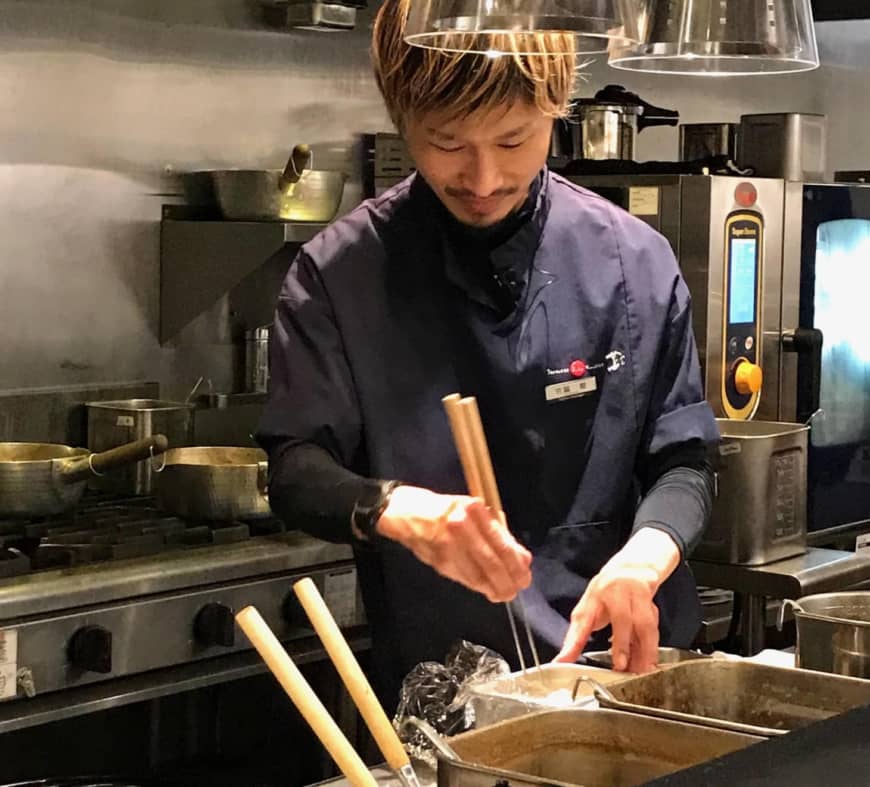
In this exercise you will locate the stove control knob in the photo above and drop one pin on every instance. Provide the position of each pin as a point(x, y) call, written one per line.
point(215, 624)
point(293, 614)
point(90, 649)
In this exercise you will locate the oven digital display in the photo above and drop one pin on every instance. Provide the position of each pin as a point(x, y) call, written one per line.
point(741, 300)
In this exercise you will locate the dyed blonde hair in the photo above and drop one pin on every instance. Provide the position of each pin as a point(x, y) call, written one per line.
point(415, 81)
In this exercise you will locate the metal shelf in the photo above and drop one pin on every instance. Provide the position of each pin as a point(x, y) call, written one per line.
point(828, 10)
point(203, 259)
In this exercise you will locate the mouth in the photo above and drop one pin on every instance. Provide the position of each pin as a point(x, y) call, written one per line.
point(481, 206)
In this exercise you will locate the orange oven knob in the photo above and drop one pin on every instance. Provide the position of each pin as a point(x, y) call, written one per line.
point(747, 378)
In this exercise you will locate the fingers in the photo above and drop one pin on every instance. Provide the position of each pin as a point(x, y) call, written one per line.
point(466, 543)
point(634, 619)
point(583, 622)
point(495, 579)
point(619, 607)
point(645, 645)
point(500, 553)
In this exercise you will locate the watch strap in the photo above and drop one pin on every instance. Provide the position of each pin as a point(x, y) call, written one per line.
point(369, 506)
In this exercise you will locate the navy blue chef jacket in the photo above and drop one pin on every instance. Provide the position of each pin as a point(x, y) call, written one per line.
point(378, 319)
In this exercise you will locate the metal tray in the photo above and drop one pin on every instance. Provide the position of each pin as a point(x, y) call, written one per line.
point(737, 695)
point(593, 748)
point(550, 687)
point(666, 657)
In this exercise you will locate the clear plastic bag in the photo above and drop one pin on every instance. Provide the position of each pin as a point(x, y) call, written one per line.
point(437, 694)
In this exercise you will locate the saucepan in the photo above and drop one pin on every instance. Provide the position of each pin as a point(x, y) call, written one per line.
point(296, 193)
point(214, 483)
point(833, 632)
point(42, 479)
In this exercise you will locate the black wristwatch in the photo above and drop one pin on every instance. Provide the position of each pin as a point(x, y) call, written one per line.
point(369, 506)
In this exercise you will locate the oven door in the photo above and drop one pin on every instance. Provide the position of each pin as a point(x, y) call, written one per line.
point(826, 273)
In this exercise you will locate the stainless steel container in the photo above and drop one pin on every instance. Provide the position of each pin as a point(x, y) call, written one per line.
point(552, 686)
point(257, 359)
point(606, 131)
point(703, 140)
point(737, 695)
point(256, 195)
point(787, 145)
point(593, 748)
point(114, 423)
point(833, 633)
point(760, 513)
point(605, 126)
point(666, 657)
point(214, 483)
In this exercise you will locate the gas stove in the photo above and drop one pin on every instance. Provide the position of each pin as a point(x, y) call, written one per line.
point(117, 589)
point(111, 528)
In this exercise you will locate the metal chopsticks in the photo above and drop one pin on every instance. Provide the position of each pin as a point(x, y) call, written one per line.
point(471, 446)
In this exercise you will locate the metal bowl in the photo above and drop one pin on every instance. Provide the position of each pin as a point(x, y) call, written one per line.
point(255, 195)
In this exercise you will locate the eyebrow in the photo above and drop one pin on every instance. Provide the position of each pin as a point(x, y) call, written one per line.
point(514, 132)
point(436, 133)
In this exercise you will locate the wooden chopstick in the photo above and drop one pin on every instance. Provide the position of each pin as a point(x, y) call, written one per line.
point(470, 439)
point(480, 450)
point(307, 702)
point(464, 447)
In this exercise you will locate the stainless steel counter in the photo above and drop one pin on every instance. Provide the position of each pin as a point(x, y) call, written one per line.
point(817, 571)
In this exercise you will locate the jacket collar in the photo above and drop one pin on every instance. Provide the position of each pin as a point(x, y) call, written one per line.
point(471, 257)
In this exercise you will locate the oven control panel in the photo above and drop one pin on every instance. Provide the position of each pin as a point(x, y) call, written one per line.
point(741, 353)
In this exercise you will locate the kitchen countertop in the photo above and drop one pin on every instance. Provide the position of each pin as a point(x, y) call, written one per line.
point(835, 751)
point(816, 571)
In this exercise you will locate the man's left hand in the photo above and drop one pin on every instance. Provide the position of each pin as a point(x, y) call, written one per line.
point(621, 595)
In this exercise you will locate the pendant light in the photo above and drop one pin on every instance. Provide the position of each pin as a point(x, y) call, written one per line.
point(724, 38)
point(532, 27)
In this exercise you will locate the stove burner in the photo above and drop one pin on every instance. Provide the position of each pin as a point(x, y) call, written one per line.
point(110, 528)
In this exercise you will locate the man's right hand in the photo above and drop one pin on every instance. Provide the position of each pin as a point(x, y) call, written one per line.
point(460, 538)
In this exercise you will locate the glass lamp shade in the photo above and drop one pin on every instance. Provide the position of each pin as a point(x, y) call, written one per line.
point(532, 27)
point(724, 38)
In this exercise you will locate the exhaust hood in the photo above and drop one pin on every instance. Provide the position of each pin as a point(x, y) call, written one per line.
point(333, 15)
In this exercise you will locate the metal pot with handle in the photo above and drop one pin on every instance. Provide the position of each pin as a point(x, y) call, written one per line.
point(43, 479)
point(214, 483)
point(605, 126)
point(833, 632)
point(296, 193)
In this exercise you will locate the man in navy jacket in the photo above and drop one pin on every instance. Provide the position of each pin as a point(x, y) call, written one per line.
point(567, 318)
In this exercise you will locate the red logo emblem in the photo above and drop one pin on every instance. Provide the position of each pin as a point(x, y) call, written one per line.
point(577, 368)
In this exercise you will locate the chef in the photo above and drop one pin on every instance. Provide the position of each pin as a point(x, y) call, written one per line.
point(567, 318)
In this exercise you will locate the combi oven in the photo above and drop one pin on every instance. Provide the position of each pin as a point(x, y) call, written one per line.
point(779, 275)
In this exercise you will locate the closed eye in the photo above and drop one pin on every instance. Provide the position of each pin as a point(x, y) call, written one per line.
point(445, 149)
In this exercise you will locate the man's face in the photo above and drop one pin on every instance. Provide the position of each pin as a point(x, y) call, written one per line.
point(481, 166)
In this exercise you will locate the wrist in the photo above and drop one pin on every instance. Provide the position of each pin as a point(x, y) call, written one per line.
point(369, 507)
point(652, 551)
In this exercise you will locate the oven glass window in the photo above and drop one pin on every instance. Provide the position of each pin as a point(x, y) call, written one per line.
point(741, 308)
point(842, 277)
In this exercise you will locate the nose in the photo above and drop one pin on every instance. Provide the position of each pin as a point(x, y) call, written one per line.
point(482, 174)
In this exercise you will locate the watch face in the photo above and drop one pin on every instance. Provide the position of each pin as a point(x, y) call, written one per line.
point(370, 505)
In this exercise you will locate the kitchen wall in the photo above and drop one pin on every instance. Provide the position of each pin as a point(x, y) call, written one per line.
point(102, 103)
point(845, 50)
